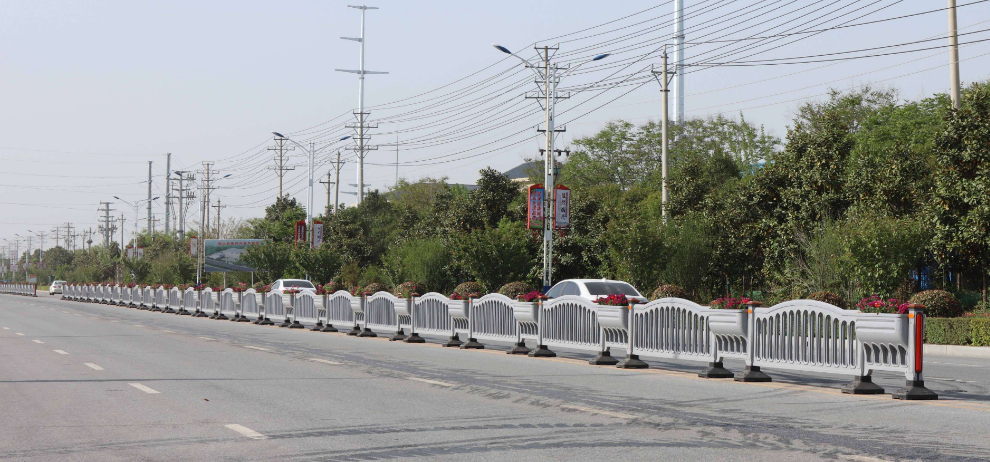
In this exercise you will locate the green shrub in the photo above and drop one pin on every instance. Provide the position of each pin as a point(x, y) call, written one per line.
point(669, 290)
point(515, 289)
point(947, 331)
point(374, 287)
point(828, 297)
point(979, 331)
point(469, 288)
point(938, 303)
point(408, 288)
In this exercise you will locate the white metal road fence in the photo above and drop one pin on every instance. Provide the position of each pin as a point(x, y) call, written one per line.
point(16, 288)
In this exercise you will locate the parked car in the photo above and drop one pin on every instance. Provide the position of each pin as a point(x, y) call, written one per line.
point(283, 285)
point(56, 287)
point(593, 289)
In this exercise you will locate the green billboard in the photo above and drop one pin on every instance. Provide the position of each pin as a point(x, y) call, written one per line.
point(224, 255)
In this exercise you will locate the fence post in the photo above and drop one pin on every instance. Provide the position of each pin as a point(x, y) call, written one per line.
point(367, 332)
point(472, 343)
point(915, 387)
point(295, 315)
point(632, 360)
point(715, 369)
point(862, 384)
point(541, 350)
point(751, 373)
point(326, 305)
point(413, 336)
point(319, 321)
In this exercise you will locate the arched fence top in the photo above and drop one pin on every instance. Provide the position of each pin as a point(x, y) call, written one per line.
point(496, 297)
point(341, 294)
point(813, 305)
point(569, 299)
point(434, 296)
point(383, 295)
point(673, 302)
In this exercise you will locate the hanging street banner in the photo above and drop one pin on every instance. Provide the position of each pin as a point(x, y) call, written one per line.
point(562, 210)
point(130, 252)
point(534, 219)
point(193, 247)
point(317, 233)
point(224, 255)
point(300, 231)
point(140, 252)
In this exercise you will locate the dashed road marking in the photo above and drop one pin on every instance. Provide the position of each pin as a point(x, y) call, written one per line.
point(18, 333)
point(114, 321)
point(325, 361)
point(37, 341)
point(246, 431)
point(206, 338)
point(138, 325)
point(256, 348)
point(433, 382)
point(169, 331)
point(66, 312)
point(953, 364)
point(951, 380)
point(600, 411)
point(144, 388)
point(61, 352)
point(6, 328)
point(93, 366)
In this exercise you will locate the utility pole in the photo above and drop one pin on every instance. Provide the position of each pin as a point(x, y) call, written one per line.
point(327, 183)
point(122, 243)
point(183, 196)
point(106, 223)
point(168, 191)
point(218, 207)
point(56, 232)
point(664, 83)
point(69, 235)
point(199, 246)
point(678, 61)
point(954, 57)
point(206, 193)
point(361, 114)
point(280, 161)
point(336, 184)
point(149, 203)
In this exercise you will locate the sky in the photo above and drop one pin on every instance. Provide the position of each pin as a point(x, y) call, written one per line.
point(94, 90)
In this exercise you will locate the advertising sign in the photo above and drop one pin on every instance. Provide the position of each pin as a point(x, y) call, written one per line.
point(224, 255)
point(562, 210)
point(193, 247)
point(317, 233)
point(534, 219)
point(130, 253)
point(33, 279)
point(300, 231)
point(140, 252)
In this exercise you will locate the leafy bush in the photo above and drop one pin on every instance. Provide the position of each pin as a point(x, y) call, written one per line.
point(426, 261)
point(515, 289)
point(407, 289)
point(669, 290)
point(828, 297)
point(947, 331)
point(494, 256)
point(467, 289)
point(938, 303)
point(980, 331)
point(374, 287)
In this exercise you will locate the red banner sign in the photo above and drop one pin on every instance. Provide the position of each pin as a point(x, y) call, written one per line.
point(536, 213)
point(317, 233)
point(562, 207)
point(300, 231)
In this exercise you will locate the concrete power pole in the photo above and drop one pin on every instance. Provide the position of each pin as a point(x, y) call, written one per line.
point(106, 222)
point(149, 202)
point(679, 61)
point(168, 191)
point(362, 125)
point(280, 161)
point(218, 207)
point(954, 57)
point(664, 83)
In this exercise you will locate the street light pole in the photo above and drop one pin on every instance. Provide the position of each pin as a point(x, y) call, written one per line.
point(312, 160)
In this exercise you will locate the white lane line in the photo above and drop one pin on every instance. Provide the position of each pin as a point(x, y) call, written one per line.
point(61, 352)
point(256, 348)
point(951, 380)
point(600, 411)
point(325, 361)
point(246, 431)
point(114, 321)
point(94, 367)
point(77, 314)
point(144, 388)
point(18, 333)
point(37, 341)
point(138, 325)
point(66, 312)
point(433, 382)
point(6, 328)
point(205, 338)
point(953, 364)
point(169, 331)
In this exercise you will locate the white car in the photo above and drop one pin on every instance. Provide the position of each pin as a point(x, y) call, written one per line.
point(56, 287)
point(593, 289)
point(283, 285)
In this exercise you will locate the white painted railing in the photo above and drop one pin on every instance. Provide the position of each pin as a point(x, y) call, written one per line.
point(274, 307)
point(250, 308)
point(17, 288)
point(228, 304)
point(344, 311)
point(306, 308)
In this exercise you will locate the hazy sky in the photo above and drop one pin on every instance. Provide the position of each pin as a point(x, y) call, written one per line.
point(93, 90)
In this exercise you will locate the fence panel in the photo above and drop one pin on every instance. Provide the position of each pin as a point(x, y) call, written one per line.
point(379, 312)
point(274, 307)
point(570, 322)
point(306, 308)
point(344, 310)
point(492, 318)
point(672, 328)
point(806, 335)
point(432, 313)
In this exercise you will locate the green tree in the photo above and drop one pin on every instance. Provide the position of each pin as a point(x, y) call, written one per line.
point(496, 256)
point(322, 264)
point(492, 198)
point(271, 260)
point(279, 223)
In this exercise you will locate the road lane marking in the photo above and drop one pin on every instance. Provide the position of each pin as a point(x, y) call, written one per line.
point(169, 331)
point(94, 366)
point(37, 341)
point(600, 411)
point(61, 352)
point(861, 458)
point(256, 348)
point(6, 328)
point(144, 388)
point(138, 325)
point(114, 321)
point(205, 338)
point(951, 380)
point(77, 314)
point(954, 364)
point(18, 333)
point(325, 361)
point(66, 312)
point(433, 382)
point(246, 431)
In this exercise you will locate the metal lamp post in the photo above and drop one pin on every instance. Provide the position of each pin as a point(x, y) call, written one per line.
point(136, 206)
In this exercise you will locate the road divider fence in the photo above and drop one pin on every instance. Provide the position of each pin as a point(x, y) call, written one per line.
point(19, 288)
point(803, 336)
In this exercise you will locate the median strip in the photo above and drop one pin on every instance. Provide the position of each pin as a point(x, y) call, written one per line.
point(144, 388)
point(246, 431)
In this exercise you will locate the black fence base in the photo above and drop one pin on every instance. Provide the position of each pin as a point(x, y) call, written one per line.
point(914, 390)
point(716, 371)
point(604, 358)
point(752, 374)
point(863, 385)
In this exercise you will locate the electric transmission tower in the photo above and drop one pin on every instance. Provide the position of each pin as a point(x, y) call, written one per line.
point(279, 159)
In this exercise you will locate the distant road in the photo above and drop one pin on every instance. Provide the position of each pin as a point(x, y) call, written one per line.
point(94, 382)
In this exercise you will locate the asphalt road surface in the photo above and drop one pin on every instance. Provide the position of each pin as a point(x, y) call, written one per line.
point(94, 382)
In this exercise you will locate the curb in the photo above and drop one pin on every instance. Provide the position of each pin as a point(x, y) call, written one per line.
point(957, 350)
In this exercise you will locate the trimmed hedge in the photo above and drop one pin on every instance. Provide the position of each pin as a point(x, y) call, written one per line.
point(938, 303)
point(958, 331)
point(515, 289)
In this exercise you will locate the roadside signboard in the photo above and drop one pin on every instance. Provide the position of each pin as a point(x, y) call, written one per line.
point(562, 210)
point(300, 231)
point(224, 255)
point(317, 233)
point(534, 219)
point(193, 247)
point(130, 252)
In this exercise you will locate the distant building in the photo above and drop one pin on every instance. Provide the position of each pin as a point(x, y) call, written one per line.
point(520, 173)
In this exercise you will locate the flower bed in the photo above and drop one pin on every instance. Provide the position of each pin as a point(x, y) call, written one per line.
point(875, 304)
point(730, 303)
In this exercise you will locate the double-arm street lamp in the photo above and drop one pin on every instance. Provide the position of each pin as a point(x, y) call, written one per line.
point(312, 150)
point(136, 206)
point(550, 75)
